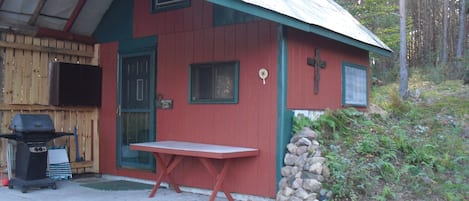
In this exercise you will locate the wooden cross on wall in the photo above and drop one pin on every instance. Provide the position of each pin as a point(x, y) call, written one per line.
point(317, 63)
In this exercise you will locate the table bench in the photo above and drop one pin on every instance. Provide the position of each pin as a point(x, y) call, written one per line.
point(206, 153)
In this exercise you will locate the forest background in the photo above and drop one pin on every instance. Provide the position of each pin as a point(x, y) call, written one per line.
point(435, 45)
point(414, 148)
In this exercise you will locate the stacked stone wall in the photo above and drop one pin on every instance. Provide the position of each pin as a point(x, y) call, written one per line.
point(304, 170)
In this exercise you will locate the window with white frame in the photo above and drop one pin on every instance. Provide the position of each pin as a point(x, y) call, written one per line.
point(354, 85)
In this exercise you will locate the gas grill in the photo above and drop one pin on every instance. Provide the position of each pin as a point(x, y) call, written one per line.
point(32, 132)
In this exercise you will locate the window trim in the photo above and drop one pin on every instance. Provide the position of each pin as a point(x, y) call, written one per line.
point(220, 19)
point(235, 98)
point(344, 85)
point(171, 5)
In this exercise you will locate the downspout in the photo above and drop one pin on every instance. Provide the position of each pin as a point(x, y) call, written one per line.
point(284, 116)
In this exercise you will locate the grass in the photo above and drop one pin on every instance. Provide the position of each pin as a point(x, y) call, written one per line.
point(418, 151)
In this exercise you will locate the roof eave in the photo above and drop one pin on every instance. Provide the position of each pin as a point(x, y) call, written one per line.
point(295, 23)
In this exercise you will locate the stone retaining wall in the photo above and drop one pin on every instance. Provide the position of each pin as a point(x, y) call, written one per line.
point(304, 170)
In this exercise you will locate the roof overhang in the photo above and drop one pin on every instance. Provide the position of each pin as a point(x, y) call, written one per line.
point(272, 15)
point(69, 20)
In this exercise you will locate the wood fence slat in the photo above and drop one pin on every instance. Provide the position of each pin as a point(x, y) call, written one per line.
point(95, 60)
point(82, 137)
point(18, 89)
point(88, 142)
point(60, 45)
point(27, 72)
point(82, 48)
point(9, 70)
point(44, 72)
point(75, 47)
point(72, 153)
point(36, 83)
point(68, 46)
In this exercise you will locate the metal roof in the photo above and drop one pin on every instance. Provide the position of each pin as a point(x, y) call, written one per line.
point(322, 17)
point(79, 17)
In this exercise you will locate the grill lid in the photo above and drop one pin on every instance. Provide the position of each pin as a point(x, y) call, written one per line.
point(27, 123)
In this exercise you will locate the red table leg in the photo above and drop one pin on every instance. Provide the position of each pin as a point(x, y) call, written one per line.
point(219, 177)
point(166, 170)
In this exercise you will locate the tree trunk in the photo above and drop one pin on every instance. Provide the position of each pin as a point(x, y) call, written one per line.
point(403, 52)
point(461, 34)
point(444, 43)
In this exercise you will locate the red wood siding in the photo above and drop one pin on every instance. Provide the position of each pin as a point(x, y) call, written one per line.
point(301, 45)
point(187, 36)
point(107, 112)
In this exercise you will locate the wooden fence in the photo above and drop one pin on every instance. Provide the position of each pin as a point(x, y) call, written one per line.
point(24, 83)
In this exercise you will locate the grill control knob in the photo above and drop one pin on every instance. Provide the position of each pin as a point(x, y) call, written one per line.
point(38, 149)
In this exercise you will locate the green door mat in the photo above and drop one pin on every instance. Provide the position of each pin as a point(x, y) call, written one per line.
point(118, 185)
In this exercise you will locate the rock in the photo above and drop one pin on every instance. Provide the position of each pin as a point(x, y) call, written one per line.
point(303, 142)
point(301, 160)
point(312, 197)
point(293, 198)
point(295, 170)
point(286, 171)
point(316, 168)
point(308, 133)
point(295, 138)
point(326, 172)
point(323, 192)
point(298, 175)
point(290, 159)
point(283, 183)
point(281, 197)
point(306, 175)
point(315, 142)
point(291, 148)
point(288, 191)
point(297, 183)
point(313, 146)
point(301, 193)
point(301, 150)
point(317, 153)
point(376, 110)
point(314, 160)
point(309, 175)
point(312, 185)
point(304, 133)
point(290, 181)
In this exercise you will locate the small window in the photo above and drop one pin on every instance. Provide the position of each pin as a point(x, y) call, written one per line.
point(355, 85)
point(162, 5)
point(214, 82)
point(227, 16)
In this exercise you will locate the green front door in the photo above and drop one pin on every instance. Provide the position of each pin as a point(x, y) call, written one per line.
point(136, 108)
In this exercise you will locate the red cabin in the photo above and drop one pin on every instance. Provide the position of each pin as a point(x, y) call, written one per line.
point(227, 73)
point(220, 72)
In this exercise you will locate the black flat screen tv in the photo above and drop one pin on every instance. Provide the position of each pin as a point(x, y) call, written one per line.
point(74, 84)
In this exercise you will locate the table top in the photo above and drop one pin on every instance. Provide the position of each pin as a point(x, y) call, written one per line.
point(195, 149)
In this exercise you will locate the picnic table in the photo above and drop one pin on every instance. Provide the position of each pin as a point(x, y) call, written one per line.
point(205, 153)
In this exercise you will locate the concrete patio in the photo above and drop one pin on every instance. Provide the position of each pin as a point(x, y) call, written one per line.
point(71, 190)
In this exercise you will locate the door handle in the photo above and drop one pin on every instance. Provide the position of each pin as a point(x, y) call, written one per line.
point(118, 110)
